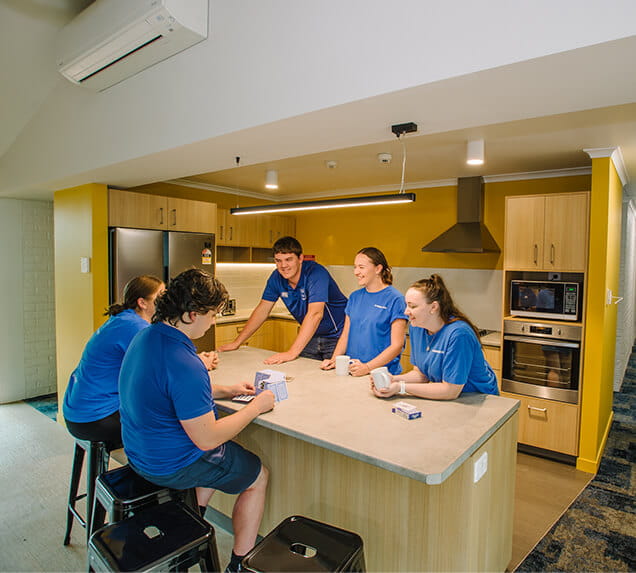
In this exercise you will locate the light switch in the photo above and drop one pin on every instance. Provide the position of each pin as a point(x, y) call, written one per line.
point(480, 467)
point(85, 265)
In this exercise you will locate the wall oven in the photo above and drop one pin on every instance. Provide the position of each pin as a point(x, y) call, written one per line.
point(542, 360)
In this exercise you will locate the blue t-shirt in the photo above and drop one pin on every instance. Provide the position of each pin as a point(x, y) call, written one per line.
point(453, 354)
point(162, 381)
point(314, 285)
point(371, 315)
point(92, 392)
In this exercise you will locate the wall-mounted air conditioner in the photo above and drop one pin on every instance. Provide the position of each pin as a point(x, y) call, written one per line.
point(114, 39)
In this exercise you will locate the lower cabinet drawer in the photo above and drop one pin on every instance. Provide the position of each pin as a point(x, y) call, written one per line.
point(547, 424)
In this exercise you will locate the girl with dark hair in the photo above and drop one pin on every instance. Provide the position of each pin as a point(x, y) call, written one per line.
point(91, 400)
point(375, 323)
point(172, 434)
point(445, 348)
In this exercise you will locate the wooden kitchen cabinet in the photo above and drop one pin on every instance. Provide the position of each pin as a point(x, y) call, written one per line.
point(492, 354)
point(405, 359)
point(547, 232)
point(233, 230)
point(144, 211)
point(547, 424)
point(270, 228)
point(264, 337)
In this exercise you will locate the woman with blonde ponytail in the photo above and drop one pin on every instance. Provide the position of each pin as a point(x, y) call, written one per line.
point(445, 348)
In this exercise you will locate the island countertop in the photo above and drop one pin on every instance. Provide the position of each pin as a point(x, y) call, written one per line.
point(341, 414)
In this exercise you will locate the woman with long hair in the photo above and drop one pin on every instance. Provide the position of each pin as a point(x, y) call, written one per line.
point(91, 400)
point(445, 350)
point(375, 323)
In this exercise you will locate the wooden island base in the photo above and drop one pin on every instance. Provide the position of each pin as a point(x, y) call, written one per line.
point(406, 525)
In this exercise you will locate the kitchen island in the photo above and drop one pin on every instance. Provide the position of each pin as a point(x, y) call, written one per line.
point(339, 455)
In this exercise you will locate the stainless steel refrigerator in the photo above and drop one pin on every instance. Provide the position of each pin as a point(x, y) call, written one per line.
point(164, 254)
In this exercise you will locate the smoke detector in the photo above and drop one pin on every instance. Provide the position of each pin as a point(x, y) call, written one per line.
point(385, 158)
point(332, 164)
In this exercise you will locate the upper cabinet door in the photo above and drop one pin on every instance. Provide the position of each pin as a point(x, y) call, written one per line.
point(566, 232)
point(192, 216)
point(136, 210)
point(523, 247)
point(547, 232)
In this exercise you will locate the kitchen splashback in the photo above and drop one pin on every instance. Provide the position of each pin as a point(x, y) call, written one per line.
point(245, 283)
point(477, 292)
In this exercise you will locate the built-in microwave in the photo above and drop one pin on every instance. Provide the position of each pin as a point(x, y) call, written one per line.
point(545, 299)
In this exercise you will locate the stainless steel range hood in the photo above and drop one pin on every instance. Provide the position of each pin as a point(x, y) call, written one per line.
point(469, 234)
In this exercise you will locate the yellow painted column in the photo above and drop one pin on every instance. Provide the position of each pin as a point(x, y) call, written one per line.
point(600, 329)
point(81, 232)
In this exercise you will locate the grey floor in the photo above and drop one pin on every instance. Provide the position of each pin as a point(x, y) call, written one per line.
point(35, 462)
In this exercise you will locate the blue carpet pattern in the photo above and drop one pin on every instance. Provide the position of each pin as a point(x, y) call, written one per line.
point(597, 532)
point(47, 405)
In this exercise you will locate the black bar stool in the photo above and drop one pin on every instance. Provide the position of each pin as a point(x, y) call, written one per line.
point(301, 544)
point(170, 536)
point(98, 457)
point(122, 492)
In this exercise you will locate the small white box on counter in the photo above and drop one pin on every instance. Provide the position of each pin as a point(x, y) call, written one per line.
point(271, 380)
point(406, 410)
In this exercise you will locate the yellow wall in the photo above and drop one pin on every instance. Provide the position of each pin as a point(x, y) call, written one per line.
point(600, 331)
point(81, 230)
point(401, 231)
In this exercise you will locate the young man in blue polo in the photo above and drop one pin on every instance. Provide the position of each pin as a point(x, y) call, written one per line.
point(311, 296)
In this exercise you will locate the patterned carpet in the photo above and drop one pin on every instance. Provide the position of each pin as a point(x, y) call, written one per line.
point(597, 532)
point(47, 405)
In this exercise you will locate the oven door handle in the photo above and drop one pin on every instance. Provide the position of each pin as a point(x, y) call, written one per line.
point(542, 341)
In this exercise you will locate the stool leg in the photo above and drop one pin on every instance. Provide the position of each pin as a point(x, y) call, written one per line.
point(98, 516)
point(211, 558)
point(97, 464)
point(76, 474)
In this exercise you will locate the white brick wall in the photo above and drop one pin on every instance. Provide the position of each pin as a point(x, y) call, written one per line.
point(625, 326)
point(27, 334)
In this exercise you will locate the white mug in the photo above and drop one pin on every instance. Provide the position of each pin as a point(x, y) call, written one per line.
point(381, 377)
point(342, 365)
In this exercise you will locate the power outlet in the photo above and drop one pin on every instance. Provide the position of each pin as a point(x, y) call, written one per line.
point(480, 467)
point(554, 276)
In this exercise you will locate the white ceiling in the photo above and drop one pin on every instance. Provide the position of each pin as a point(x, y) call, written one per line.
point(535, 115)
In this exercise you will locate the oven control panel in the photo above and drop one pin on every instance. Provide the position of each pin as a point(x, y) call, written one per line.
point(543, 330)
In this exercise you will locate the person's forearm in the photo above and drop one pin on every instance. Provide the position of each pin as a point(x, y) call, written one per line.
point(414, 376)
point(385, 356)
point(434, 390)
point(306, 332)
point(254, 322)
point(227, 428)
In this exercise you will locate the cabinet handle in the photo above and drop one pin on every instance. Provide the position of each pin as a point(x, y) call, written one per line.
point(536, 253)
point(271, 236)
point(542, 410)
point(174, 217)
point(161, 215)
point(231, 233)
point(551, 253)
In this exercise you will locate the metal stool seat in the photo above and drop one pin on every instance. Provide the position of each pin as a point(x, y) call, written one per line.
point(97, 463)
point(170, 536)
point(122, 492)
point(301, 544)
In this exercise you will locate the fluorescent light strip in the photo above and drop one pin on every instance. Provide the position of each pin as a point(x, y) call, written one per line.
point(327, 204)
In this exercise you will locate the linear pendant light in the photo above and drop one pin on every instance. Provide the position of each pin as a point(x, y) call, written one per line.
point(327, 204)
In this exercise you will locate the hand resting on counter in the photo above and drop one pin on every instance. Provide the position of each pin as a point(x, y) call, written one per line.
point(280, 357)
point(210, 359)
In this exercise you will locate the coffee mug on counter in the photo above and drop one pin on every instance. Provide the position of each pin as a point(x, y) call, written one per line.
point(342, 365)
point(381, 377)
